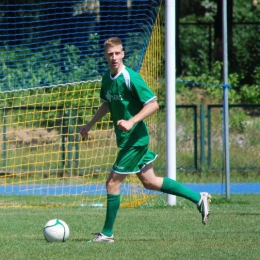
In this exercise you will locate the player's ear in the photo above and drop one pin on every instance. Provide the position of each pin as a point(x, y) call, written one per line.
point(123, 54)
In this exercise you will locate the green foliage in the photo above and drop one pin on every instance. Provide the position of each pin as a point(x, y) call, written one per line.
point(198, 11)
point(194, 59)
point(212, 82)
point(250, 94)
point(54, 63)
point(50, 65)
point(246, 11)
point(198, 47)
point(247, 55)
point(237, 121)
point(210, 10)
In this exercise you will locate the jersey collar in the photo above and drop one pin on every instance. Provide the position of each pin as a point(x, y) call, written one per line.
point(117, 75)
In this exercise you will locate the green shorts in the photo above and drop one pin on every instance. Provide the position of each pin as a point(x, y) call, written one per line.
point(132, 160)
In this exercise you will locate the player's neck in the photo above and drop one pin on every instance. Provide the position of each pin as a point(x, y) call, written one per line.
point(115, 73)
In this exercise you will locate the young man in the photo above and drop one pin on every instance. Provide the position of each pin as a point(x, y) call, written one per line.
point(129, 100)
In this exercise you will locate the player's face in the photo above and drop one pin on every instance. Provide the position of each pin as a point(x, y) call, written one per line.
point(114, 56)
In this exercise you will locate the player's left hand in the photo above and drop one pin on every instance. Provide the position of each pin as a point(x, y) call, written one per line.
point(125, 125)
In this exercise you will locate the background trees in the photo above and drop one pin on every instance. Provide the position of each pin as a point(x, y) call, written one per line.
point(199, 44)
point(74, 29)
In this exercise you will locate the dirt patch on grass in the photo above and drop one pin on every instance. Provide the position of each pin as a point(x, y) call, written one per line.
point(30, 136)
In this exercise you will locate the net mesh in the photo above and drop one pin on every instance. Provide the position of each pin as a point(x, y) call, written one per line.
point(57, 42)
point(52, 62)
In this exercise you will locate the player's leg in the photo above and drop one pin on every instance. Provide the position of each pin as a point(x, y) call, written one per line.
point(149, 179)
point(113, 203)
point(170, 186)
point(166, 185)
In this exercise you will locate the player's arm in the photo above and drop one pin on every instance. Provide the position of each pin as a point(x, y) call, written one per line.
point(145, 112)
point(102, 111)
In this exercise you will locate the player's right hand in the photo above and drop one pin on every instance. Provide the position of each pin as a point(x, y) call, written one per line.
point(125, 125)
point(83, 130)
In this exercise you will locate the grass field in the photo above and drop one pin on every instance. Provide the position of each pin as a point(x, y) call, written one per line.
point(151, 231)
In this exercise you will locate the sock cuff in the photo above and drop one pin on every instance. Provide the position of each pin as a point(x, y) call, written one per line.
point(165, 184)
point(113, 195)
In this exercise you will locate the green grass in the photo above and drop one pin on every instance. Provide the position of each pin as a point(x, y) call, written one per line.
point(151, 231)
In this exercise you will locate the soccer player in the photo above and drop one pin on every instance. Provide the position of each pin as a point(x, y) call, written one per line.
point(129, 100)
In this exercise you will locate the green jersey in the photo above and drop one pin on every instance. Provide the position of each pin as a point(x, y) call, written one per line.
point(126, 94)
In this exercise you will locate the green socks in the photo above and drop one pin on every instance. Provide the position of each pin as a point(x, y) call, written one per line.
point(173, 187)
point(113, 203)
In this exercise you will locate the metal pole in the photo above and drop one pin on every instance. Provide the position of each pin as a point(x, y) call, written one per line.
point(209, 137)
point(225, 99)
point(195, 138)
point(202, 138)
point(170, 94)
point(4, 140)
point(70, 148)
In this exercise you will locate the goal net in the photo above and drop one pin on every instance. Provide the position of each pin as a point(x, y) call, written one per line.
point(50, 77)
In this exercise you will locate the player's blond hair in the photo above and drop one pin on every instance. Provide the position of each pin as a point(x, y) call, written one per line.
point(113, 41)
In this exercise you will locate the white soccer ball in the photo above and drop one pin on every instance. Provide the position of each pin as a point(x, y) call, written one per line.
point(56, 230)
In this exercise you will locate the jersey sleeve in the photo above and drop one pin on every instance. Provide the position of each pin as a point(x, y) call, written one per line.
point(141, 90)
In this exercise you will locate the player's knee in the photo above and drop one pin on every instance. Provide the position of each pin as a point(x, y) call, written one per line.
point(147, 185)
point(112, 187)
point(150, 185)
point(153, 183)
point(109, 185)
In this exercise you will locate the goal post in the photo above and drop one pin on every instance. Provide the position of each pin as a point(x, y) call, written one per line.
point(170, 94)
